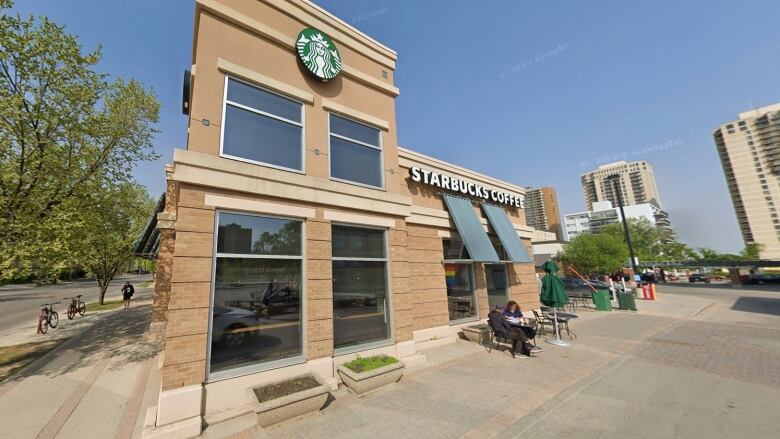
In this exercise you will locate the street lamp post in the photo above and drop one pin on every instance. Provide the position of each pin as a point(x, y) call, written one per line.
point(615, 180)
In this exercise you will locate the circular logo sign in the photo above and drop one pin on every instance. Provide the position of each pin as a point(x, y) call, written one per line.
point(318, 53)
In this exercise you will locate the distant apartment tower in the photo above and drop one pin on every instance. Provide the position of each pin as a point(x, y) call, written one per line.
point(749, 150)
point(637, 184)
point(541, 211)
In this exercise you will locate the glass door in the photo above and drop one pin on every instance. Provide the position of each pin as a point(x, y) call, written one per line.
point(497, 284)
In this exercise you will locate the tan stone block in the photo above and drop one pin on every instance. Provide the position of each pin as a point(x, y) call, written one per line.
point(190, 295)
point(422, 231)
point(403, 333)
point(319, 269)
point(319, 289)
point(399, 285)
point(430, 321)
point(417, 256)
point(402, 301)
point(432, 244)
point(398, 254)
point(195, 244)
point(192, 197)
point(399, 269)
point(188, 321)
point(175, 376)
point(318, 249)
point(194, 220)
point(428, 282)
point(318, 309)
point(427, 269)
point(403, 317)
point(189, 269)
point(397, 237)
point(318, 230)
point(319, 349)
point(318, 330)
point(185, 349)
point(438, 295)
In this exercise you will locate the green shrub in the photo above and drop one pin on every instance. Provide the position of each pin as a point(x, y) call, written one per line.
point(361, 364)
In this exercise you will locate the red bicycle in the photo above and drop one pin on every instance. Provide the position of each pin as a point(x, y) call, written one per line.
point(76, 306)
point(48, 317)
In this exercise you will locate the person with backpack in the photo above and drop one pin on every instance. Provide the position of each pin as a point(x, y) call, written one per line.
point(127, 293)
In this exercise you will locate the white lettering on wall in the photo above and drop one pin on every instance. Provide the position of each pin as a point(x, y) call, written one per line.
point(455, 184)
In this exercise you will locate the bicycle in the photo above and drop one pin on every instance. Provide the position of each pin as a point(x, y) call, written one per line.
point(48, 317)
point(76, 306)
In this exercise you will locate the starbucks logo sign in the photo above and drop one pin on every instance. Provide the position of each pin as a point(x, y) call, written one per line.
point(318, 53)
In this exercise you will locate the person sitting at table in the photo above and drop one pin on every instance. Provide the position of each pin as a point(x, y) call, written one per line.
point(503, 329)
point(515, 318)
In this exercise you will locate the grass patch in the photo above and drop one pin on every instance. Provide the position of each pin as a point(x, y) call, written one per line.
point(13, 358)
point(106, 306)
point(278, 390)
point(361, 364)
point(146, 284)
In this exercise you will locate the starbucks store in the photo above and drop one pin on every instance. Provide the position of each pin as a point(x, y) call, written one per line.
point(295, 233)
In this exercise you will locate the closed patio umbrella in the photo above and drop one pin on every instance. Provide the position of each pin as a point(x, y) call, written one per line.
point(553, 294)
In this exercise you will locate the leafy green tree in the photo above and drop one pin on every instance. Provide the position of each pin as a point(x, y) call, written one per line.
point(110, 232)
point(751, 252)
point(595, 253)
point(67, 133)
point(651, 243)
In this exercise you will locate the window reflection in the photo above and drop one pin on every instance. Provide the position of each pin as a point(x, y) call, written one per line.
point(497, 289)
point(460, 291)
point(360, 305)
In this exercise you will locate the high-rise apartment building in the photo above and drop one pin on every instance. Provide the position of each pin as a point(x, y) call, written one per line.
point(637, 184)
point(749, 150)
point(541, 211)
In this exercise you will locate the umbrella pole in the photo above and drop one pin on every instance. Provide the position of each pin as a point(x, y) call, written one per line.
point(557, 341)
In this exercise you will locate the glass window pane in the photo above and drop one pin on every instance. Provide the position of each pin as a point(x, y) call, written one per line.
point(257, 311)
point(353, 162)
point(262, 100)
point(359, 303)
point(353, 130)
point(250, 234)
point(460, 291)
point(497, 288)
point(455, 249)
point(256, 137)
point(356, 242)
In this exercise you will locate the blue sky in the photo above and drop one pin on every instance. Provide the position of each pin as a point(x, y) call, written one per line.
point(535, 93)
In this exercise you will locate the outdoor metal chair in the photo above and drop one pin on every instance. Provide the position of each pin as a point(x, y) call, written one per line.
point(563, 322)
point(497, 339)
point(542, 321)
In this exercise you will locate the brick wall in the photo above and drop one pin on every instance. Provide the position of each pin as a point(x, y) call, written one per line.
point(524, 286)
point(188, 306)
point(319, 289)
point(162, 277)
point(399, 283)
point(426, 278)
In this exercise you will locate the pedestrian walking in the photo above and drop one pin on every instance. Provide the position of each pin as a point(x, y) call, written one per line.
point(127, 293)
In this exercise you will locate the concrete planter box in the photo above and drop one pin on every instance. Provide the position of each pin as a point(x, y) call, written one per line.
point(364, 382)
point(290, 406)
point(477, 333)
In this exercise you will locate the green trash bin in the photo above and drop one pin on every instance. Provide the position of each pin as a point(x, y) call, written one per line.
point(626, 301)
point(601, 300)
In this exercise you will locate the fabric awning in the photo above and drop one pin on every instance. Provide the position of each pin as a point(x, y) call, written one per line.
point(470, 229)
point(506, 233)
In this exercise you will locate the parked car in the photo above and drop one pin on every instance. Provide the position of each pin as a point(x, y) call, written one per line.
point(698, 277)
point(762, 279)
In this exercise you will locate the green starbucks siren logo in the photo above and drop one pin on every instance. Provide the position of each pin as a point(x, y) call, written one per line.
point(318, 53)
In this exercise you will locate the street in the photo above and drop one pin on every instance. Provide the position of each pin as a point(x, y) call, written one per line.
point(21, 303)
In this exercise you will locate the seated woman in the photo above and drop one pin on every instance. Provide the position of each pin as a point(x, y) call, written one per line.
point(515, 318)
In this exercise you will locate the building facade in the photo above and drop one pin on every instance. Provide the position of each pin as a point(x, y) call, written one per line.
point(541, 210)
point(603, 214)
point(749, 151)
point(637, 184)
point(296, 234)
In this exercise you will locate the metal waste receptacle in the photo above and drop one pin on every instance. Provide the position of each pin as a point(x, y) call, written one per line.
point(602, 301)
point(626, 301)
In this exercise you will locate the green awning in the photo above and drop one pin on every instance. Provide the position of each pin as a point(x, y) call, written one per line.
point(470, 229)
point(506, 233)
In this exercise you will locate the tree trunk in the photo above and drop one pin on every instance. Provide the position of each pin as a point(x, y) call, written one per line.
point(103, 288)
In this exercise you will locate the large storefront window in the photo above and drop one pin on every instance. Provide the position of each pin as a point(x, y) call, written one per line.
point(256, 314)
point(355, 152)
point(459, 278)
point(262, 127)
point(497, 284)
point(360, 303)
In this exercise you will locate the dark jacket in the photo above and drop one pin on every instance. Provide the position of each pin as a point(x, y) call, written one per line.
point(517, 314)
point(128, 291)
point(499, 323)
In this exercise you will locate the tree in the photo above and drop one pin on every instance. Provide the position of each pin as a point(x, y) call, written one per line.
point(67, 132)
point(651, 243)
point(751, 252)
point(592, 253)
point(109, 234)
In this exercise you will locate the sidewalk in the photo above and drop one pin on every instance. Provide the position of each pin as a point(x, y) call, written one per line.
point(97, 384)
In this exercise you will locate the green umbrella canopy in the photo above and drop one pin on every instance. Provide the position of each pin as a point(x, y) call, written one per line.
point(553, 292)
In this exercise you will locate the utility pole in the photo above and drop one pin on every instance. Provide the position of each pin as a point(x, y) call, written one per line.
point(615, 180)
